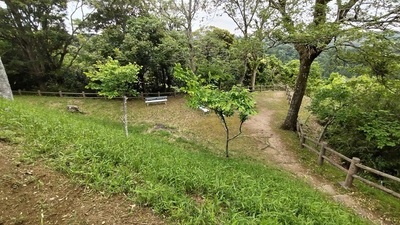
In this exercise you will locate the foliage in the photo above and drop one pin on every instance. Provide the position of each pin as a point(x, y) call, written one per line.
point(314, 27)
point(374, 53)
point(223, 103)
point(364, 119)
point(315, 76)
point(213, 46)
point(187, 185)
point(144, 41)
point(112, 79)
point(37, 39)
point(113, 13)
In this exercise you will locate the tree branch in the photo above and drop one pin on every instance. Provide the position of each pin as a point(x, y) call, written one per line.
point(240, 131)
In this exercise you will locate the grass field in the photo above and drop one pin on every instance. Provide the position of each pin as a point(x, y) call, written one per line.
point(172, 161)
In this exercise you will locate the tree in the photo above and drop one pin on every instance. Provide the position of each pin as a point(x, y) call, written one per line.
point(246, 14)
point(242, 12)
point(361, 119)
point(113, 80)
point(315, 26)
point(145, 41)
point(114, 13)
point(213, 56)
point(375, 53)
point(223, 103)
point(182, 13)
point(5, 89)
point(141, 44)
point(37, 33)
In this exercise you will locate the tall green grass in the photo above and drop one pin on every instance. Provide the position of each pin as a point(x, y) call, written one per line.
point(186, 183)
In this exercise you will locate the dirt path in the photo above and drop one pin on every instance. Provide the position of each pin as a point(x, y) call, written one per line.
point(34, 194)
point(261, 126)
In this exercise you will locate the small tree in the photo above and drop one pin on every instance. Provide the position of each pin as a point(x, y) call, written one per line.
point(223, 103)
point(113, 80)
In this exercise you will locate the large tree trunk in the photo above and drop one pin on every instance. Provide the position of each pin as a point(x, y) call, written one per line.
point(5, 89)
point(307, 55)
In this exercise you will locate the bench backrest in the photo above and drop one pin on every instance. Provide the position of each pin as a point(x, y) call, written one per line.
point(156, 98)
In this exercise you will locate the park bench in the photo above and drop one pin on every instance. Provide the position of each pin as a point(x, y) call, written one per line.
point(160, 99)
point(204, 109)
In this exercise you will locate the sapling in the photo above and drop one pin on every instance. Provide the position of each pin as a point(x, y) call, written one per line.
point(223, 103)
point(113, 80)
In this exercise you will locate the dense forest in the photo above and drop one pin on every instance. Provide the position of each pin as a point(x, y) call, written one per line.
point(344, 54)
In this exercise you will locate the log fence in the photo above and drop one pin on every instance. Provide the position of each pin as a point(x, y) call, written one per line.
point(330, 155)
point(84, 94)
point(142, 95)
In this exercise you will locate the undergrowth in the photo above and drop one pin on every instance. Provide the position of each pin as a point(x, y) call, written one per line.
point(187, 183)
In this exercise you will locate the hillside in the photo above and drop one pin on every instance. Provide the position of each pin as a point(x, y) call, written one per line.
point(180, 179)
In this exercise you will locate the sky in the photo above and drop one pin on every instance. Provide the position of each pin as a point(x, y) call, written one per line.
point(216, 18)
point(219, 20)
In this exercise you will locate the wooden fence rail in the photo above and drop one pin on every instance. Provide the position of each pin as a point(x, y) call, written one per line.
point(140, 95)
point(324, 153)
point(90, 94)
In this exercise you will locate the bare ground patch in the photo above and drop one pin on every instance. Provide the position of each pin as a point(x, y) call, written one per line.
point(34, 194)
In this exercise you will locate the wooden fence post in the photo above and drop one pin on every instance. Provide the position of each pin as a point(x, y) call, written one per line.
point(352, 170)
point(158, 93)
point(60, 93)
point(321, 154)
point(19, 92)
point(302, 140)
point(83, 94)
point(141, 95)
point(174, 93)
point(39, 93)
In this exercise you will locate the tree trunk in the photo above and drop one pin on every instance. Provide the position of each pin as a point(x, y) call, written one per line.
point(243, 76)
point(125, 116)
point(307, 55)
point(5, 89)
point(254, 76)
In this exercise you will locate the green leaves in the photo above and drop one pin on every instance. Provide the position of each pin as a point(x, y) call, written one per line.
point(364, 116)
point(113, 80)
point(221, 102)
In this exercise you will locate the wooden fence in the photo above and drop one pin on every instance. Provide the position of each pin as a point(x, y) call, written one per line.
point(90, 94)
point(329, 154)
point(140, 95)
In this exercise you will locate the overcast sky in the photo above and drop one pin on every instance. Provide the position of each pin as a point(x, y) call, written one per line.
point(217, 19)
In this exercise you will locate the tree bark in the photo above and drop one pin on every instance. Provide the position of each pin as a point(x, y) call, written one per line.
point(254, 76)
point(5, 89)
point(125, 116)
point(307, 55)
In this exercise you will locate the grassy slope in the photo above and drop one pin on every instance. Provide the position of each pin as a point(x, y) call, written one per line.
point(176, 177)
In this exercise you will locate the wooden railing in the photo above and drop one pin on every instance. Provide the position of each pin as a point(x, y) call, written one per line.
point(326, 153)
point(90, 94)
point(83, 94)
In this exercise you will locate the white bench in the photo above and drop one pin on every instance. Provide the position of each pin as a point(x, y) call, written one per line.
point(204, 109)
point(160, 99)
